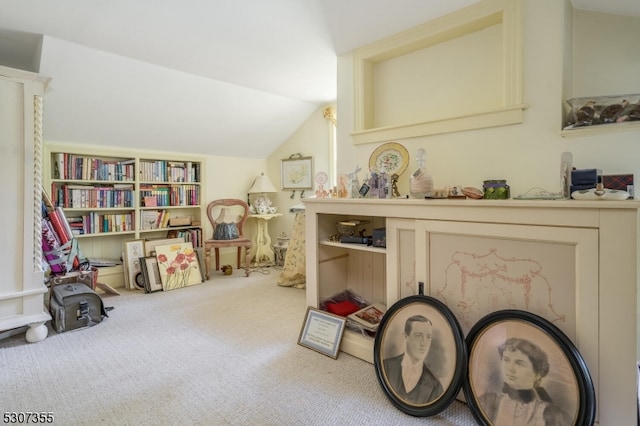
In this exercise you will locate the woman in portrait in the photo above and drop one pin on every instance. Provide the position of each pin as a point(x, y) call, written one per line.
point(522, 401)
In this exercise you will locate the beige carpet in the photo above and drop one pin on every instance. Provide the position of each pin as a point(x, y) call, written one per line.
point(223, 352)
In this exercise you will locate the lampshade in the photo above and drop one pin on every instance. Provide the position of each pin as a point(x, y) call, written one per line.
point(262, 185)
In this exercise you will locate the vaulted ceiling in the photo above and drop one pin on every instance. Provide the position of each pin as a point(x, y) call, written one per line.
point(230, 78)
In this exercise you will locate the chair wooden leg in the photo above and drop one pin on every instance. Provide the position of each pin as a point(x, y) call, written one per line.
point(247, 261)
point(238, 257)
point(217, 258)
point(207, 260)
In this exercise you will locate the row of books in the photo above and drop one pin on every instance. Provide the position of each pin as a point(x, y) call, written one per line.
point(154, 219)
point(169, 171)
point(83, 196)
point(193, 235)
point(80, 167)
point(97, 223)
point(171, 195)
point(59, 247)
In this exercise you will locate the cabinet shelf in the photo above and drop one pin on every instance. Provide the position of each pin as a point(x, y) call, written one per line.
point(97, 209)
point(173, 228)
point(356, 344)
point(362, 247)
point(103, 234)
point(170, 207)
point(601, 129)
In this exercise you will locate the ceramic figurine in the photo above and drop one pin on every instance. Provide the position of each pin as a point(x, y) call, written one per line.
point(421, 182)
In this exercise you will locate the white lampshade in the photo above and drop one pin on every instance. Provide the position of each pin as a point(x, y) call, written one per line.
point(262, 185)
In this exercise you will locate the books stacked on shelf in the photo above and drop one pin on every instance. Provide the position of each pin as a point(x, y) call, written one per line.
point(182, 172)
point(59, 247)
point(97, 223)
point(71, 166)
point(369, 317)
point(152, 195)
point(76, 225)
point(169, 171)
point(87, 196)
point(192, 235)
point(154, 219)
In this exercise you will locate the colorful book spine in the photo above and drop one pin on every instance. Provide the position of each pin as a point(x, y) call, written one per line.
point(51, 249)
point(62, 230)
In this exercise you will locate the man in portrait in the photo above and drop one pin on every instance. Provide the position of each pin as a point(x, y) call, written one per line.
point(407, 373)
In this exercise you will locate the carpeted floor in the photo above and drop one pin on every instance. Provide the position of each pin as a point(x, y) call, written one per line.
point(223, 352)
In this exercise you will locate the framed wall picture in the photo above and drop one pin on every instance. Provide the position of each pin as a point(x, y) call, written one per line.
point(297, 173)
point(133, 251)
point(520, 364)
point(420, 356)
point(322, 331)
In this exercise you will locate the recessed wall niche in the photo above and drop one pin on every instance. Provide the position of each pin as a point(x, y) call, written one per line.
point(458, 72)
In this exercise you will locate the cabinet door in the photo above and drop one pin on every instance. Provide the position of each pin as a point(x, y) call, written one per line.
point(401, 259)
point(478, 268)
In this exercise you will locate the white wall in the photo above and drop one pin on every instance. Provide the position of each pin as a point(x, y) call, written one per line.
point(311, 140)
point(97, 97)
point(528, 154)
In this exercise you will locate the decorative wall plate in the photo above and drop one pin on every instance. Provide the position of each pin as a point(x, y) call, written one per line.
point(391, 156)
point(322, 178)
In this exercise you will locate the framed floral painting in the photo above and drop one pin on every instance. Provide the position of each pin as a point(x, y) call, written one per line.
point(178, 265)
point(297, 173)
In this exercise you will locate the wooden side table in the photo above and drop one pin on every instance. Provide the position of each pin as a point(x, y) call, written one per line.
point(261, 251)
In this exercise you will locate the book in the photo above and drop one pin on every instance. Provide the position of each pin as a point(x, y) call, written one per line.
point(369, 317)
point(51, 249)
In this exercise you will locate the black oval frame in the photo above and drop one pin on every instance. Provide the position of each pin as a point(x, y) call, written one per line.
point(433, 407)
point(586, 393)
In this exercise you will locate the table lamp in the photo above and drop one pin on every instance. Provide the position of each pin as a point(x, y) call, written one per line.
point(261, 186)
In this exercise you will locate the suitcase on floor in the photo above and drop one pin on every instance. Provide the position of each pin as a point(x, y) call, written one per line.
point(75, 305)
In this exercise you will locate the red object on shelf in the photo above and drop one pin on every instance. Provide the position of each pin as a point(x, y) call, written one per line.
point(344, 308)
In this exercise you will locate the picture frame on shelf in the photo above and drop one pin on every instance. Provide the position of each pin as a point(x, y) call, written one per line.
point(322, 332)
point(133, 251)
point(420, 327)
point(296, 173)
point(517, 356)
point(151, 273)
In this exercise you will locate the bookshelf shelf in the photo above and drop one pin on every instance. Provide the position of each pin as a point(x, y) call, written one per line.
point(113, 196)
point(96, 234)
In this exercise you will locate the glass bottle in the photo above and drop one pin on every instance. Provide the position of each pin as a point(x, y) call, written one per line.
point(421, 182)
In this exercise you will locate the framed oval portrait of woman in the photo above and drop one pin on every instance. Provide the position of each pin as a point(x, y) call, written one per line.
point(523, 370)
point(419, 355)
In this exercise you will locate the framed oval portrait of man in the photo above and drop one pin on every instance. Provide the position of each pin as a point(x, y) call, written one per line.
point(523, 370)
point(419, 355)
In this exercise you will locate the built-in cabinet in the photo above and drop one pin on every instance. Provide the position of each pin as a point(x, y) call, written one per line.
point(22, 287)
point(572, 262)
point(110, 196)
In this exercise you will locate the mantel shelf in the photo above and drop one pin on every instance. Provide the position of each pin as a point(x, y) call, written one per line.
point(362, 247)
point(601, 129)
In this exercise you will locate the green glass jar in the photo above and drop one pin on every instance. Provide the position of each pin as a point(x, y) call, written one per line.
point(496, 190)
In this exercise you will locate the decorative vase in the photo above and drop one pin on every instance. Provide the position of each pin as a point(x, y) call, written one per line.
point(421, 182)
